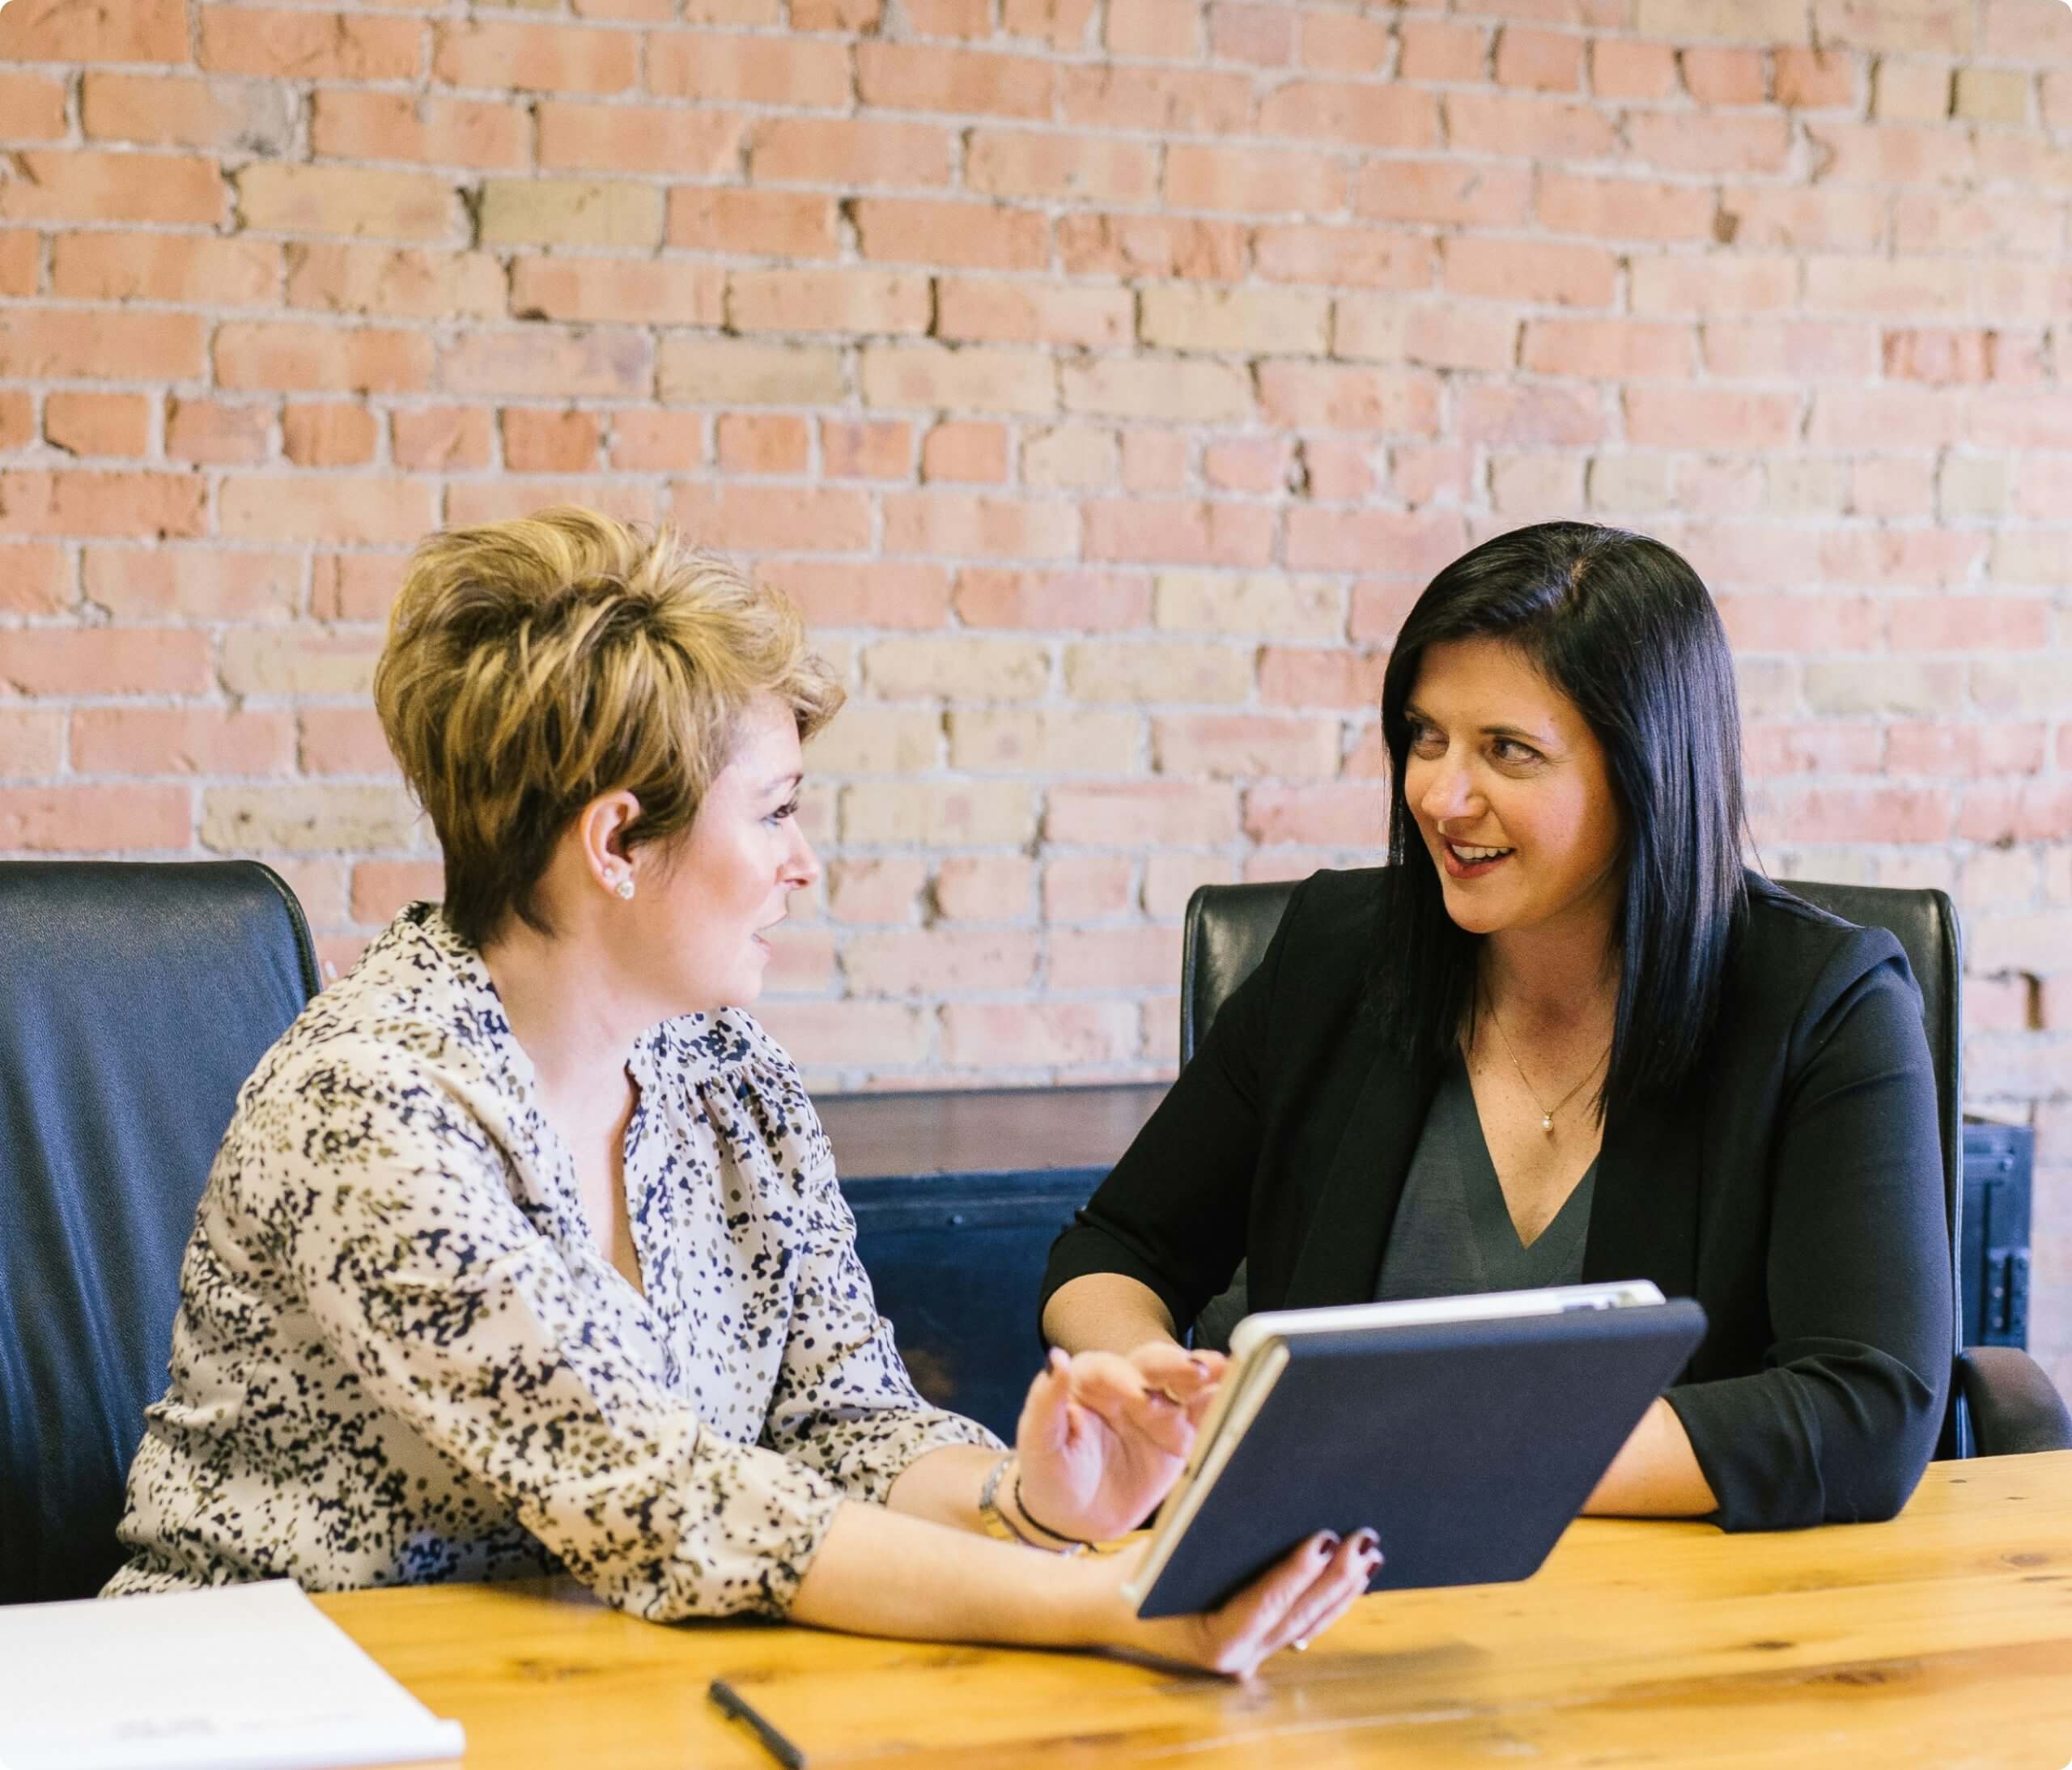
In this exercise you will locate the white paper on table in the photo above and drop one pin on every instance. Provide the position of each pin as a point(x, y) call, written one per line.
point(231, 1678)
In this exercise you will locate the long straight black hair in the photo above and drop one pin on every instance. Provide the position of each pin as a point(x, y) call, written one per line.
point(1623, 626)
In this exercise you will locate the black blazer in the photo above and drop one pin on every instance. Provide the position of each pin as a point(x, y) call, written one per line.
point(1795, 1190)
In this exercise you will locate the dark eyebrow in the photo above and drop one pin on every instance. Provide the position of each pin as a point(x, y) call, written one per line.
point(1538, 740)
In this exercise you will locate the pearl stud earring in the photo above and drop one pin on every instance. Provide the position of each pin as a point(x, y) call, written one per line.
point(624, 887)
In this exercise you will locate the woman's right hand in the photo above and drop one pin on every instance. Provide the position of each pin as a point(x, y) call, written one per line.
point(1294, 1601)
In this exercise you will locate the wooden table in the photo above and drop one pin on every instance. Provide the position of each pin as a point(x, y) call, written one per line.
point(1943, 1639)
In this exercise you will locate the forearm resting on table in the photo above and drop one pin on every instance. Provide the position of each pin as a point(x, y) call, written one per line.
point(1655, 1474)
point(882, 1570)
point(1104, 1312)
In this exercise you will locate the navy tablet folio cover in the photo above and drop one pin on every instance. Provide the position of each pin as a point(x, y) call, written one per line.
point(1468, 1446)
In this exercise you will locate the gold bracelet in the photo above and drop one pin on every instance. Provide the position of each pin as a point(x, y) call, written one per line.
point(995, 1523)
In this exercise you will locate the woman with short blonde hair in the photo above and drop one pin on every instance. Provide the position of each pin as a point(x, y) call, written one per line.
point(523, 1250)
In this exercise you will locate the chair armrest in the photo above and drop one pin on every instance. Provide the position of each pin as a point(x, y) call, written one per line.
point(2014, 1407)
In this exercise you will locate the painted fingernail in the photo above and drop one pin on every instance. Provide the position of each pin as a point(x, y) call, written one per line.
point(1367, 1544)
point(1327, 1543)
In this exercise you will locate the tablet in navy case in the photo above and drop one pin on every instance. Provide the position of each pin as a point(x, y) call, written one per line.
point(1468, 1446)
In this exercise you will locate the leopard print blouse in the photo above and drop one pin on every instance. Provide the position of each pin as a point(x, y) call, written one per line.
point(401, 1358)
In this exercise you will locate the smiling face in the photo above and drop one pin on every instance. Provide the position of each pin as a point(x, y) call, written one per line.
point(1510, 791)
point(706, 904)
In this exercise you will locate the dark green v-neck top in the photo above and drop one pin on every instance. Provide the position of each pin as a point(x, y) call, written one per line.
point(1453, 1233)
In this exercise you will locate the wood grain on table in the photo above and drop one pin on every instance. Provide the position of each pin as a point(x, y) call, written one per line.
point(1942, 1639)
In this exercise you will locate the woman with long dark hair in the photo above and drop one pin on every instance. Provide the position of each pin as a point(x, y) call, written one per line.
point(1564, 1035)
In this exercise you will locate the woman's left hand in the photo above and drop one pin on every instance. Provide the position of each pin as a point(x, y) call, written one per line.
point(1102, 1437)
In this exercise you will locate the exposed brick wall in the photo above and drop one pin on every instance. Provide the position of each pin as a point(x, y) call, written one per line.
point(1103, 377)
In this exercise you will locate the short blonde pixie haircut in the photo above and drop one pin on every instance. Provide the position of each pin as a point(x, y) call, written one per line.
point(532, 665)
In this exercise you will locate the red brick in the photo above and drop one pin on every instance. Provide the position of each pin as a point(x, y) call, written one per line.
point(72, 31)
point(967, 235)
point(1761, 217)
point(1764, 623)
point(1315, 396)
point(1168, 29)
point(84, 502)
point(1621, 70)
point(868, 152)
point(967, 452)
point(1724, 144)
point(1041, 1034)
point(94, 820)
point(155, 110)
point(1897, 416)
point(1710, 283)
point(1349, 814)
point(2025, 811)
point(31, 108)
point(1178, 531)
point(791, 70)
point(1940, 355)
point(295, 43)
point(346, 125)
point(1532, 416)
point(1832, 814)
point(509, 495)
point(667, 442)
point(181, 741)
point(1151, 245)
point(1625, 208)
point(935, 524)
point(1514, 124)
point(1969, 624)
point(501, 54)
point(1530, 270)
point(938, 961)
point(1010, 163)
point(163, 583)
point(21, 261)
point(878, 449)
point(1245, 746)
point(756, 444)
point(1716, 76)
point(628, 291)
point(536, 441)
point(1312, 678)
point(61, 185)
point(1891, 153)
point(1465, 193)
point(689, 143)
point(1004, 312)
point(298, 356)
point(774, 519)
point(354, 585)
point(1432, 50)
point(328, 436)
point(1087, 887)
point(105, 661)
point(1610, 350)
point(1063, 23)
point(1358, 115)
point(1710, 418)
point(950, 18)
point(1796, 349)
point(1258, 464)
point(1262, 36)
point(31, 740)
point(35, 579)
point(394, 282)
point(1057, 601)
point(1539, 61)
point(919, 77)
point(69, 344)
point(217, 434)
point(380, 889)
point(1135, 814)
point(545, 363)
point(1771, 750)
point(798, 300)
point(1112, 959)
point(1888, 558)
point(1417, 543)
point(1810, 79)
point(367, 512)
point(875, 891)
point(1371, 257)
point(17, 422)
point(342, 741)
point(98, 423)
point(865, 593)
point(1155, 460)
point(770, 223)
point(349, 200)
point(1159, 100)
point(1252, 180)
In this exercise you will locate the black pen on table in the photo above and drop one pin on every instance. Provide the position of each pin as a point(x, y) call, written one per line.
point(739, 1708)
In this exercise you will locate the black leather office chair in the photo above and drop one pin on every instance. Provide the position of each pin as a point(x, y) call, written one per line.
point(135, 1000)
point(2000, 1402)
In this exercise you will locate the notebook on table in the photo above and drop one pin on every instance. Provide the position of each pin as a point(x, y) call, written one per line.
point(1466, 1431)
